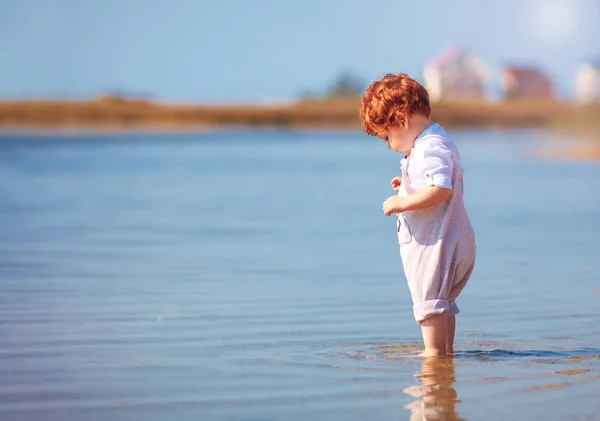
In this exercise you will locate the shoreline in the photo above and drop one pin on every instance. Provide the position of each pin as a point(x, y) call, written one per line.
point(578, 126)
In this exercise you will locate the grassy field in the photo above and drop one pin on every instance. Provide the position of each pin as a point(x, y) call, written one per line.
point(114, 113)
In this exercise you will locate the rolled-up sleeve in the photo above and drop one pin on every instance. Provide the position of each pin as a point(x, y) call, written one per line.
point(438, 165)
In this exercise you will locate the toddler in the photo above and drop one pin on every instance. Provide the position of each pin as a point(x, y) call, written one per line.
point(437, 242)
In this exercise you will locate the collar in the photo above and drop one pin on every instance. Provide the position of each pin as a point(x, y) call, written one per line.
point(433, 128)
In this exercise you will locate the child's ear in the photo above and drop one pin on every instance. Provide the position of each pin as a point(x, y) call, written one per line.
point(405, 123)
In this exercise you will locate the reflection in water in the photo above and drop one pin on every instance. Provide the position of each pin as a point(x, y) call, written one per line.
point(438, 397)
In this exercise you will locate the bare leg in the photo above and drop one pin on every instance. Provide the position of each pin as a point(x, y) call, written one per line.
point(450, 329)
point(434, 336)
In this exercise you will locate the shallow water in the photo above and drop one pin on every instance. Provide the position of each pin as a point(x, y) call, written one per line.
point(252, 276)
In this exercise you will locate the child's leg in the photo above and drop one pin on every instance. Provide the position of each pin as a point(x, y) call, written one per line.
point(450, 329)
point(434, 335)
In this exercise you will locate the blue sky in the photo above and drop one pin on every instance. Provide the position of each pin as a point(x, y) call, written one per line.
point(255, 50)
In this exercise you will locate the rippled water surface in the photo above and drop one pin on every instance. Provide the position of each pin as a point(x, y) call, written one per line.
point(252, 276)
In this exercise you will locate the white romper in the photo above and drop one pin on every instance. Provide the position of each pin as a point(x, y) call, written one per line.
point(437, 245)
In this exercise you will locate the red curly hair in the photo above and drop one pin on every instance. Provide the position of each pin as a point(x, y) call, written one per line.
point(388, 102)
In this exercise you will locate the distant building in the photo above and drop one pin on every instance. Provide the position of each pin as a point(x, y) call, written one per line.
point(587, 82)
point(456, 74)
point(526, 83)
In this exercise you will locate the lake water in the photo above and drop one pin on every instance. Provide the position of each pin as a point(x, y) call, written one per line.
point(251, 276)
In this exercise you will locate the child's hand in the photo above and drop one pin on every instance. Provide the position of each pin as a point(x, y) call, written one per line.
point(393, 204)
point(396, 181)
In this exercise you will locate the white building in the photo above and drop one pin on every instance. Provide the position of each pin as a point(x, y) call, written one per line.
point(587, 82)
point(455, 74)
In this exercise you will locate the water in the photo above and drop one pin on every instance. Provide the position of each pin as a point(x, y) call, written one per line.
point(252, 276)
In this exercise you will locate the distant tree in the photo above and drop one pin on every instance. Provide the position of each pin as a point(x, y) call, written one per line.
point(127, 95)
point(347, 85)
point(308, 94)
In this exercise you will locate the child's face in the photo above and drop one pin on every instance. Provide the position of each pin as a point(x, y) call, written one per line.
point(399, 139)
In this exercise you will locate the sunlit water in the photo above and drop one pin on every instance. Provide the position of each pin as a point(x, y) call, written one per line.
point(252, 276)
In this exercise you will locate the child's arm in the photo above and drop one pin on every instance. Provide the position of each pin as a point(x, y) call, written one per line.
point(436, 162)
point(423, 199)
